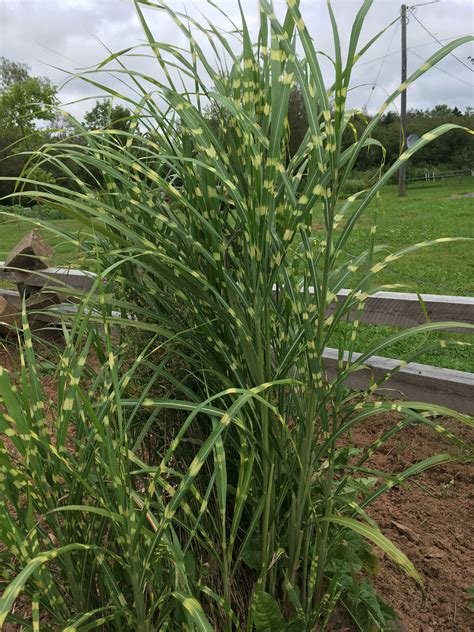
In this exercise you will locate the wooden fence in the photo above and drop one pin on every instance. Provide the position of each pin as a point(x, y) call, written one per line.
point(419, 382)
point(432, 176)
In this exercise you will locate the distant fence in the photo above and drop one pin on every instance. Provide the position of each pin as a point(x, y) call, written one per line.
point(419, 382)
point(433, 176)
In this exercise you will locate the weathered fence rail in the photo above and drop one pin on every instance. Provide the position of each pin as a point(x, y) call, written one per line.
point(417, 382)
point(50, 277)
point(431, 176)
point(420, 382)
point(400, 309)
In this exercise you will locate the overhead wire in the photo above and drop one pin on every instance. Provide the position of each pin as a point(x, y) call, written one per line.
point(395, 52)
point(438, 41)
point(412, 10)
point(422, 4)
point(444, 71)
point(382, 64)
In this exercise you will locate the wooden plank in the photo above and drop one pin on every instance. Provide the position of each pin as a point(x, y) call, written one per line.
point(49, 313)
point(58, 277)
point(10, 294)
point(52, 277)
point(400, 309)
point(36, 301)
point(418, 382)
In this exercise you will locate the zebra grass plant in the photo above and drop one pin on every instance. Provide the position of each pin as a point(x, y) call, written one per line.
point(204, 227)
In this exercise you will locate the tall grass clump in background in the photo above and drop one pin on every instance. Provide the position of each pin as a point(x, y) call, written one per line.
point(227, 253)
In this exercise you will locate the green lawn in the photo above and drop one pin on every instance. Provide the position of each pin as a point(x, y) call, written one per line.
point(13, 230)
point(427, 212)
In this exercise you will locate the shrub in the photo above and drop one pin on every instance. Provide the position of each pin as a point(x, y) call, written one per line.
point(354, 185)
point(39, 211)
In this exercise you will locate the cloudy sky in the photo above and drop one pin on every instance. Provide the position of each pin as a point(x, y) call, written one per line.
point(56, 35)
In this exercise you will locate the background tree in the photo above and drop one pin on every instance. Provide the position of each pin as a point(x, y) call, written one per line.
point(26, 102)
point(297, 119)
point(451, 152)
point(12, 72)
point(104, 116)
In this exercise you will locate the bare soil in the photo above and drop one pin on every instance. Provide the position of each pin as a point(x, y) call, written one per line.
point(430, 519)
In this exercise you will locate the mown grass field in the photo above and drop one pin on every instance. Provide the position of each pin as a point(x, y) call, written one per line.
point(12, 230)
point(427, 212)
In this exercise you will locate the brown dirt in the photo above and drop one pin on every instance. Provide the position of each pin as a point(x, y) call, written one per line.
point(428, 518)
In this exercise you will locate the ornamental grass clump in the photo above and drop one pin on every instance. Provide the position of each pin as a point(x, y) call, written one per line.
point(227, 253)
point(87, 528)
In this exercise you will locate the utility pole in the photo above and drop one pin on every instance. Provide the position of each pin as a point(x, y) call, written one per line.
point(403, 108)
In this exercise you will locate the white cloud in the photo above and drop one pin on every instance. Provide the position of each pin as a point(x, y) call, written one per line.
point(68, 33)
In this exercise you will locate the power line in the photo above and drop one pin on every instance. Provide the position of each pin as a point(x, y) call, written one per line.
point(445, 39)
point(382, 64)
point(412, 11)
point(413, 6)
point(445, 72)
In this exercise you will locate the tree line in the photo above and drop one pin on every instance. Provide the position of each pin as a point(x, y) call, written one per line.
point(452, 151)
point(29, 117)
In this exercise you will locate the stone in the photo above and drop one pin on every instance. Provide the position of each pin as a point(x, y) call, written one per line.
point(10, 317)
point(432, 552)
point(404, 530)
point(11, 305)
point(36, 300)
point(31, 253)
